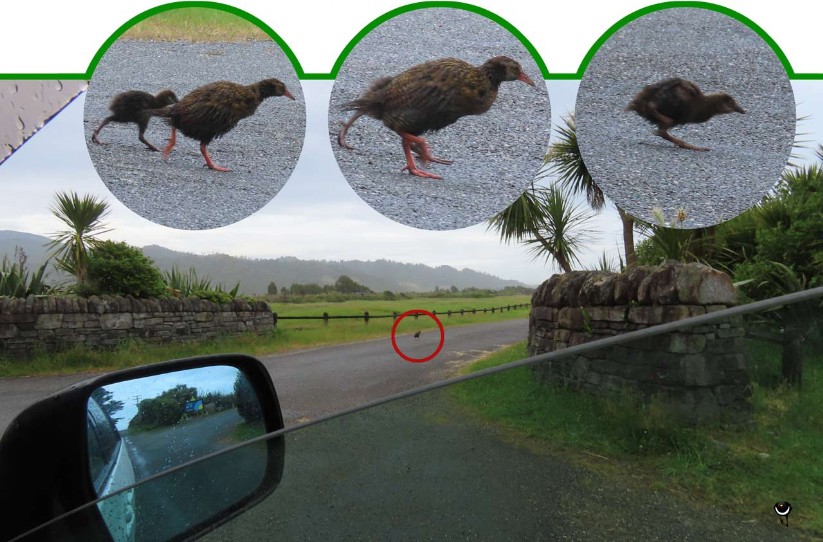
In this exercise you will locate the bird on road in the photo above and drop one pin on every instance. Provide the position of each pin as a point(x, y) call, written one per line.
point(131, 106)
point(676, 101)
point(430, 96)
point(210, 111)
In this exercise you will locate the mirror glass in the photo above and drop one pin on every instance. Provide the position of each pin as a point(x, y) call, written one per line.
point(140, 427)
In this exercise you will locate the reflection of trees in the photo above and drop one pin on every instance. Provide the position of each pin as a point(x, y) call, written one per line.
point(110, 406)
point(165, 409)
point(247, 404)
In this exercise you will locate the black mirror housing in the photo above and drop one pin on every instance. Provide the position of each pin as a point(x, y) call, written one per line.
point(44, 460)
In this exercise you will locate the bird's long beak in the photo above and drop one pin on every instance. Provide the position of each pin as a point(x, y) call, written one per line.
point(739, 109)
point(287, 94)
point(525, 78)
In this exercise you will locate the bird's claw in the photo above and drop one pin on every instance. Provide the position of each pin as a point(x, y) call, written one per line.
point(420, 173)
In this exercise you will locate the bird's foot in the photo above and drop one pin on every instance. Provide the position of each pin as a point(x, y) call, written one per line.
point(420, 173)
point(215, 167)
point(94, 138)
point(423, 151)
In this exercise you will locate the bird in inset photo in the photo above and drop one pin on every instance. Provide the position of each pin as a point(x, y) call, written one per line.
point(676, 101)
point(416, 334)
point(429, 97)
point(131, 106)
point(210, 111)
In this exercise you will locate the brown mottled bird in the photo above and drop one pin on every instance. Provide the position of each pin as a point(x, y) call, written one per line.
point(212, 110)
point(131, 106)
point(431, 96)
point(676, 101)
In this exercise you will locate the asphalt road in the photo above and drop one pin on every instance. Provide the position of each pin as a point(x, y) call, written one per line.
point(325, 380)
point(421, 468)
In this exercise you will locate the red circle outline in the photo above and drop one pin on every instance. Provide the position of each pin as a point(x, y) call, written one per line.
point(394, 338)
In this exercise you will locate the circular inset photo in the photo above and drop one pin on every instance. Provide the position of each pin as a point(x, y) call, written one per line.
point(685, 117)
point(439, 118)
point(194, 118)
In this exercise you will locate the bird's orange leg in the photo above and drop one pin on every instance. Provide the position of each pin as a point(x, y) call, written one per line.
point(412, 167)
point(679, 142)
point(170, 145)
point(209, 163)
point(421, 147)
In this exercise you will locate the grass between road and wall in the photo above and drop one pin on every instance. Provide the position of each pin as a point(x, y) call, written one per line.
point(289, 335)
point(195, 24)
point(743, 470)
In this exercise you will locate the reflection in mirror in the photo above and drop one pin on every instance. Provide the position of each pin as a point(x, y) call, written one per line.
point(140, 427)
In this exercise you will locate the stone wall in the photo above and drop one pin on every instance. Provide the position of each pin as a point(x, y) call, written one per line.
point(57, 323)
point(702, 371)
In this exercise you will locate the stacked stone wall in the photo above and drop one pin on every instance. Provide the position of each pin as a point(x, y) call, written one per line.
point(46, 323)
point(702, 371)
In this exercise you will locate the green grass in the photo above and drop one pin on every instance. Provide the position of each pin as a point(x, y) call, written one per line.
point(289, 335)
point(745, 470)
point(195, 24)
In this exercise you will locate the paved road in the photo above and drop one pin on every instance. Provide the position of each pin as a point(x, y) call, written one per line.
point(324, 380)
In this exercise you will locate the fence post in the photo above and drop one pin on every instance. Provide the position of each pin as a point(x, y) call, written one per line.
point(449, 314)
point(394, 315)
point(461, 312)
point(492, 310)
point(366, 316)
point(325, 318)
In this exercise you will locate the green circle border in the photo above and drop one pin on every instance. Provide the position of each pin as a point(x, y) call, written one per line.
point(301, 73)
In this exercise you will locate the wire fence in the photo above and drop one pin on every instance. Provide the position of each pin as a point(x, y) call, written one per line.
point(366, 316)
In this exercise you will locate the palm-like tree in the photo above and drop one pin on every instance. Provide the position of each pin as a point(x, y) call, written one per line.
point(83, 216)
point(565, 160)
point(546, 219)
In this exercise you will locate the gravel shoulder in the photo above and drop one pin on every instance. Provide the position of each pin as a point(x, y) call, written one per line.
point(496, 155)
point(640, 171)
point(182, 192)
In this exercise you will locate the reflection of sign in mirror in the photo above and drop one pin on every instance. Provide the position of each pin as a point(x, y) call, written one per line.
point(168, 419)
point(193, 406)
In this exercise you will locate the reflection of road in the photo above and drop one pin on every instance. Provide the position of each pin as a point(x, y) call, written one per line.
point(160, 449)
point(171, 504)
point(167, 505)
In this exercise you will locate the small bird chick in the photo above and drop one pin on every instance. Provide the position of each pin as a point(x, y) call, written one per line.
point(676, 101)
point(131, 106)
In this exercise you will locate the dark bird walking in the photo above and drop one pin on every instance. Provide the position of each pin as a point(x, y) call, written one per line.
point(131, 106)
point(675, 101)
point(416, 334)
point(210, 111)
point(429, 97)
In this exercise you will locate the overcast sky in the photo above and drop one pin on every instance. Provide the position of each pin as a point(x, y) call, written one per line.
point(316, 215)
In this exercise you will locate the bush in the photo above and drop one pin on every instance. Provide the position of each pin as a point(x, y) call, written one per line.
point(120, 269)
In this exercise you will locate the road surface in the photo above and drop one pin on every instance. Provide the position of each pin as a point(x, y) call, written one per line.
point(324, 380)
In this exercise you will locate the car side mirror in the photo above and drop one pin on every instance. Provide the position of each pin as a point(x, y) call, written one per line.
point(100, 437)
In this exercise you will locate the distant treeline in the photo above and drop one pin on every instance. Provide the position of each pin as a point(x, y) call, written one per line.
point(345, 288)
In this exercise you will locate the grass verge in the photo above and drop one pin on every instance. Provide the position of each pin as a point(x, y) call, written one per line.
point(196, 25)
point(744, 470)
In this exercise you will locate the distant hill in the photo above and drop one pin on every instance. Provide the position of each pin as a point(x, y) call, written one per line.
point(255, 275)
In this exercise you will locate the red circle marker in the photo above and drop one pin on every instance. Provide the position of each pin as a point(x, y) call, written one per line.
point(394, 336)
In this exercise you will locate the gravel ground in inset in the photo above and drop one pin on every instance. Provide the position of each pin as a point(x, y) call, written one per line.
point(496, 155)
point(181, 192)
point(640, 171)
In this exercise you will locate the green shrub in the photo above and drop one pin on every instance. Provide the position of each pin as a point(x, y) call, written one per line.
point(120, 269)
